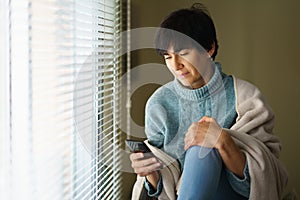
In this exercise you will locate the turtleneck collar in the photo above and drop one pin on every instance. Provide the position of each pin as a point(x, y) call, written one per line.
point(203, 92)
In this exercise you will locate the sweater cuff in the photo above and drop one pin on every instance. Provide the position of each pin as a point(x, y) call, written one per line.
point(151, 191)
point(241, 186)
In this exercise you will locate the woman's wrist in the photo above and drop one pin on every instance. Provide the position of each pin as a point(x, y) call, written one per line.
point(153, 179)
point(232, 156)
point(223, 141)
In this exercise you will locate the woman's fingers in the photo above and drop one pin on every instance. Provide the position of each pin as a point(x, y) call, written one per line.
point(136, 156)
point(206, 119)
point(205, 132)
point(146, 170)
point(144, 164)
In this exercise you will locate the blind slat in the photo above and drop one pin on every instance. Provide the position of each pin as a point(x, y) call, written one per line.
point(71, 73)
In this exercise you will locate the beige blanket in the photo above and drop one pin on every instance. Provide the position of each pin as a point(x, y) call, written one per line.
point(253, 133)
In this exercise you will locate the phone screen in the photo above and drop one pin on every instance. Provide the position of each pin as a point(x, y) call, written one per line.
point(137, 146)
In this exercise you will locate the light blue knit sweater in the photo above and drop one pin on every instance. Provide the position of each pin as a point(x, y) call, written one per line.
point(173, 108)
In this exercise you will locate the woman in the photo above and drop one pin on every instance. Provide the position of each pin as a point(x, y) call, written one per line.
point(218, 127)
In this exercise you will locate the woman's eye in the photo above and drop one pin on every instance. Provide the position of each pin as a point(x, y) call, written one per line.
point(167, 57)
point(184, 53)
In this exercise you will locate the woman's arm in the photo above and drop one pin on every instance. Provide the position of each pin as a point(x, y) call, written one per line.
point(233, 158)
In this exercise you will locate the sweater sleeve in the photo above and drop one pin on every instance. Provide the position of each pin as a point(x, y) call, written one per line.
point(154, 129)
point(241, 186)
point(151, 191)
point(155, 119)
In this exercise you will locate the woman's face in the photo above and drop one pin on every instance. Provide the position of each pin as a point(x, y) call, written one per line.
point(189, 66)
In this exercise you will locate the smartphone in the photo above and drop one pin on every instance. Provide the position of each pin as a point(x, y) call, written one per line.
point(137, 146)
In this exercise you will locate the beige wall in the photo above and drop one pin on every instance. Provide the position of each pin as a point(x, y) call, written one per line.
point(259, 41)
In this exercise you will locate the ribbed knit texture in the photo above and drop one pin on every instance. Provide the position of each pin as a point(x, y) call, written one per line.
point(173, 108)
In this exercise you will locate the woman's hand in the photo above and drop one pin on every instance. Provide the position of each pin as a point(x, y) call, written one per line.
point(208, 133)
point(145, 164)
point(205, 133)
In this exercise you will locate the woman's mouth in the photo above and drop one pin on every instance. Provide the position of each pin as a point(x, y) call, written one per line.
point(183, 75)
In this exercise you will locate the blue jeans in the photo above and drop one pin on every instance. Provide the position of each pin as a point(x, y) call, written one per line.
point(205, 178)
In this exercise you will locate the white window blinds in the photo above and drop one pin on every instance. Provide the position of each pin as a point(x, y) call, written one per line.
point(64, 69)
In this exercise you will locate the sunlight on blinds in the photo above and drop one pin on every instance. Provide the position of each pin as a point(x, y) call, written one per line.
point(71, 70)
point(4, 100)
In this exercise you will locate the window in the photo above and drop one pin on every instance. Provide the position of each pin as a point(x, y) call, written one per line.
point(60, 84)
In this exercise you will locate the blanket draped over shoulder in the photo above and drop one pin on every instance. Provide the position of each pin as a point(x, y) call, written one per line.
point(253, 133)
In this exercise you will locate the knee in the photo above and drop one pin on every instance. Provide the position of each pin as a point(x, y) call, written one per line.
point(203, 153)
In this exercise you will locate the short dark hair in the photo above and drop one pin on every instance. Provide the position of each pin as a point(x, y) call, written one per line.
point(186, 28)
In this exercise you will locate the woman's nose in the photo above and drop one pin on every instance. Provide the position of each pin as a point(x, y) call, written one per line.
point(177, 64)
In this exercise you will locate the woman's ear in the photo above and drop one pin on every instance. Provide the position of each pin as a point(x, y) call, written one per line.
point(212, 50)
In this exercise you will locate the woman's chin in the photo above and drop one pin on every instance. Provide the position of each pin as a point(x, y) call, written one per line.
point(185, 83)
